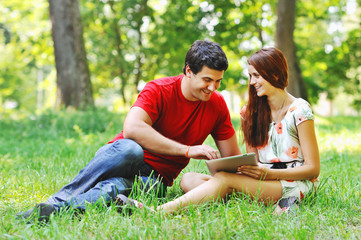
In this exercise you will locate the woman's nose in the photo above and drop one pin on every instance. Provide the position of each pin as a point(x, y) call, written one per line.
point(251, 81)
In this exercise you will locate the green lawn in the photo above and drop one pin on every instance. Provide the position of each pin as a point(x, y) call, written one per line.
point(39, 154)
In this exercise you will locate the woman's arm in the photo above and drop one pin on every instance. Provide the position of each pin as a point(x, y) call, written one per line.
point(250, 149)
point(309, 148)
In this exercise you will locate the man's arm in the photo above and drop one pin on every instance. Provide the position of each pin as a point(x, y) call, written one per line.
point(138, 127)
point(228, 147)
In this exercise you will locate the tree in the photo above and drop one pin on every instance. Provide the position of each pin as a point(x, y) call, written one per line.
point(284, 41)
point(140, 10)
point(25, 41)
point(116, 32)
point(139, 40)
point(244, 27)
point(73, 78)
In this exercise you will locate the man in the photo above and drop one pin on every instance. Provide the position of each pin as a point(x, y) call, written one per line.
point(165, 127)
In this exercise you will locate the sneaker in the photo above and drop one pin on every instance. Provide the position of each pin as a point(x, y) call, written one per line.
point(24, 215)
point(123, 202)
point(41, 211)
point(286, 205)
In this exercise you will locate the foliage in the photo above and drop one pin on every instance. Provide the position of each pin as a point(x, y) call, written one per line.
point(25, 46)
point(41, 153)
point(326, 51)
point(134, 41)
point(353, 58)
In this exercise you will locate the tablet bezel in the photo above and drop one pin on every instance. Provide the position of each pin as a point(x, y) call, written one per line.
point(230, 164)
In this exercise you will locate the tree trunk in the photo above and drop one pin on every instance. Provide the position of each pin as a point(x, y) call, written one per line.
point(284, 41)
point(73, 78)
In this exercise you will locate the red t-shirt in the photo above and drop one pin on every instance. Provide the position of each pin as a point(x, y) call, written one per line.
point(184, 121)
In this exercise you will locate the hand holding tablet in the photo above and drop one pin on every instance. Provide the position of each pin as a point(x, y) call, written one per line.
point(230, 164)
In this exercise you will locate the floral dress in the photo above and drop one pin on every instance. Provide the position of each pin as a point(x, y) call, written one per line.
point(283, 148)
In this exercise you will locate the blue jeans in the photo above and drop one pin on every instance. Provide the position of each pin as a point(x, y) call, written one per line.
point(113, 170)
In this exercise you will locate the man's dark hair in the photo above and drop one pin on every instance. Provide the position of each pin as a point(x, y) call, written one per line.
point(205, 53)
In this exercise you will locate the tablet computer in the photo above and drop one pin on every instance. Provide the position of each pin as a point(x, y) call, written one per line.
point(230, 164)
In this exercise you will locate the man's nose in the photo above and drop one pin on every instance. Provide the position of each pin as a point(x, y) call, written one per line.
point(212, 87)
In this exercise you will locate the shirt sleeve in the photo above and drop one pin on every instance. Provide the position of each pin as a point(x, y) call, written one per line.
point(149, 100)
point(303, 112)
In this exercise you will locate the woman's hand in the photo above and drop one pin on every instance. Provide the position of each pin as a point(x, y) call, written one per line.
point(257, 172)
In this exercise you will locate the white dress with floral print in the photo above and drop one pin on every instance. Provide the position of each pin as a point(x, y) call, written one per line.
point(284, 146)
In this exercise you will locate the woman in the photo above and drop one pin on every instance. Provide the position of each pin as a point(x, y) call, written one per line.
point(279, 128)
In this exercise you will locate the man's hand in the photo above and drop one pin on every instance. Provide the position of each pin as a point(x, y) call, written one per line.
point(203, 152)
point(257, 172)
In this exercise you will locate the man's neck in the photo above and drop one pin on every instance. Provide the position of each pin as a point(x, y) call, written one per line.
point(185, 88)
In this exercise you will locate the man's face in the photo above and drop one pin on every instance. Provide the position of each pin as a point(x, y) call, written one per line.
point(204, 83)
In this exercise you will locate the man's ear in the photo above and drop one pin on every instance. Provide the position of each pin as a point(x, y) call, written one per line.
point(188, 71)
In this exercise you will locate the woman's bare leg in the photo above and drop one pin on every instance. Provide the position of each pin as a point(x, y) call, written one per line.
point(265, 191)
point(192, 180)
point(225, 183)
point(209, 190)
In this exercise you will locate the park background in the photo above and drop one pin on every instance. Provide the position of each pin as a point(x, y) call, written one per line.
point(70, 70)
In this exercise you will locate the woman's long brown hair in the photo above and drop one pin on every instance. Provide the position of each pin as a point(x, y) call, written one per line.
point(271, 64)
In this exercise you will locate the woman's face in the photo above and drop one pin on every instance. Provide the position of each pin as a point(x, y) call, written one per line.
point(262, 86)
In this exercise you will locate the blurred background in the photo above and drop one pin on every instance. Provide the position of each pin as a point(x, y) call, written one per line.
point(99, 53)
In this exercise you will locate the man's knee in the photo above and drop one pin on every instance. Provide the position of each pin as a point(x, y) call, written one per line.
point(129, 150)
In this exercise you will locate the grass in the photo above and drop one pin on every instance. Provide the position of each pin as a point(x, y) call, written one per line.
point(39, 154)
